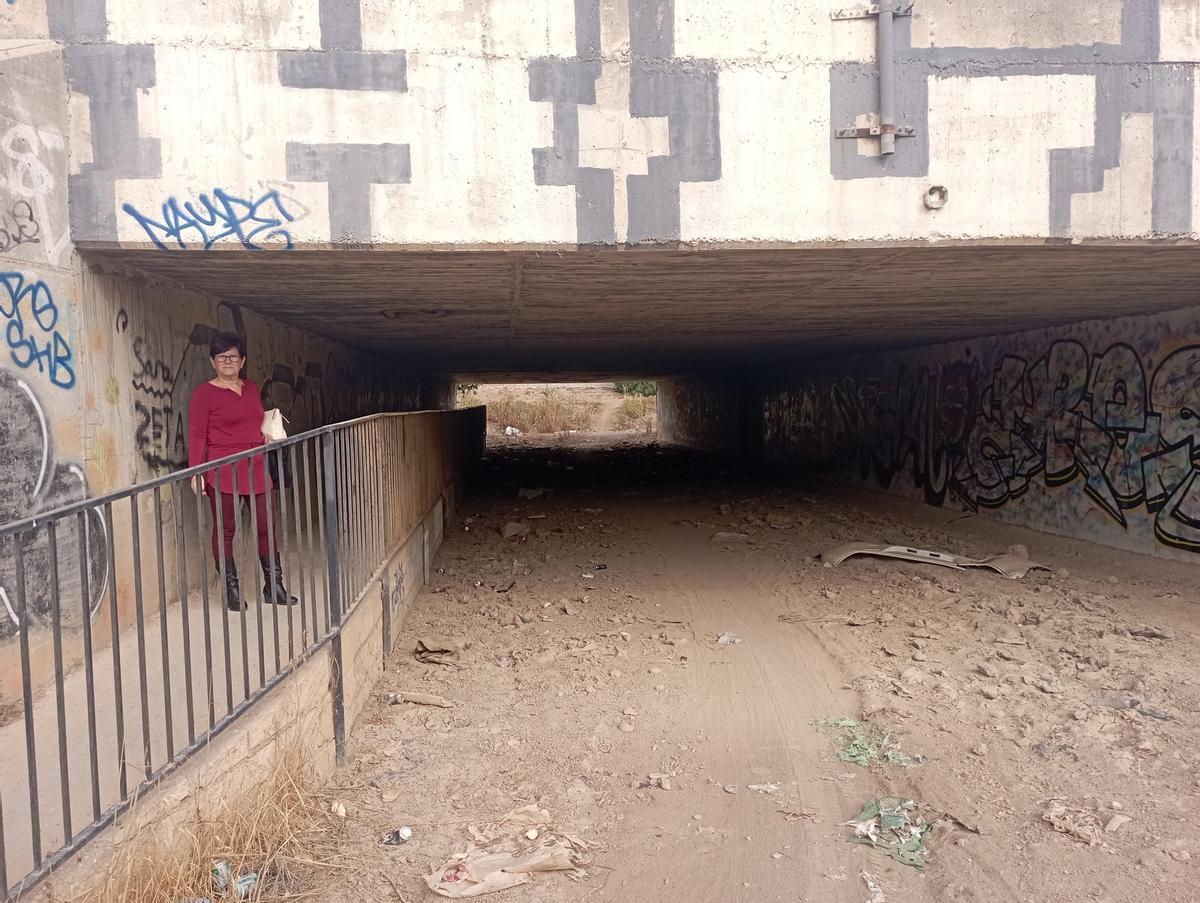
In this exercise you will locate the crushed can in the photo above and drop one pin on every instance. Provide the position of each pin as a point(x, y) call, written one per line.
point(222, 877)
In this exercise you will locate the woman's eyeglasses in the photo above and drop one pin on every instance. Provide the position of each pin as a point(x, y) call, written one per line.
point(228, 358)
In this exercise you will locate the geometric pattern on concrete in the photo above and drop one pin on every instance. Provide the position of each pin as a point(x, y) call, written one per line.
point(1125, 84)
point(348, 169)
point(110, 75)
point(631, 121)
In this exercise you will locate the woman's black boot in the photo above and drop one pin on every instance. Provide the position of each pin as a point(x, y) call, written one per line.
point(273, 589)
point(233, 590)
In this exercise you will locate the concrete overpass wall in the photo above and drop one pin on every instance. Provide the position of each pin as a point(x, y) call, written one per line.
point(97, 365)
point(280, 126)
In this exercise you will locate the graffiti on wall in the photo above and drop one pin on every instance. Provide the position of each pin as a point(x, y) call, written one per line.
point(221, 215)
point(32, 479)
point(29, 183)
point(165, 372)
point(18, 226)
point(31, 333)
point(162, 381)
point(1126, 432)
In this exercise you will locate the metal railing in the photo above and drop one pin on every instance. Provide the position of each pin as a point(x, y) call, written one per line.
point(118, 701)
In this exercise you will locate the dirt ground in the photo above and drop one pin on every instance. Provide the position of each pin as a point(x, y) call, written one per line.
point(602, 399)
point(1005, 687)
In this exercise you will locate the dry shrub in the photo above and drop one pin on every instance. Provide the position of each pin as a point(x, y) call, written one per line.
point(636, 412)
point(551, 412)
point(280, 828)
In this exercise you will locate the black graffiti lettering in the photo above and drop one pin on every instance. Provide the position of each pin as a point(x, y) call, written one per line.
point(1068, 418)
point(18, 226)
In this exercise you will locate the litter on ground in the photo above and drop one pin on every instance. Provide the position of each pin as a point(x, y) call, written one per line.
point(1073, 821)
point(1011, 566)
point(873, 887)
point(865, 743)
point(507, 854)
point(895, 826)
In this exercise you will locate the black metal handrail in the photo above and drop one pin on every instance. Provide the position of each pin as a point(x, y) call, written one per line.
point(335, 514)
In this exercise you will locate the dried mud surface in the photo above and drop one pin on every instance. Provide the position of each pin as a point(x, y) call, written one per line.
point(579, 682)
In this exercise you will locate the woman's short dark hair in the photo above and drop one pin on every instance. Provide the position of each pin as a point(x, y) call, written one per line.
point(223, 341)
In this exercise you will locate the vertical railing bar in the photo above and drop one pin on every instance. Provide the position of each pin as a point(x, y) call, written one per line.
point(293, 464)
point(237, 516)
point(285, 566)
point(258, 609)
point(364, 496)
point(115, 621)
point(223, 563)
point(387, 590)
point(272, 596)
point(177, 498)
point(347, 514)
point(337, 687)
point(313, 488)
point(335, 503)
point(373, 491)
point(163, 631)
point(31, 769)
point(89, 668)
point(342, 510)
point(205, 614)
point(139, 609)
point(381, 483)
point(64, 776)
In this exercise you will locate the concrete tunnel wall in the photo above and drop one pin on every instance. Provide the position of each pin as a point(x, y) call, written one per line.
point(97, 366)
point(1090, 430)
point(600, 121)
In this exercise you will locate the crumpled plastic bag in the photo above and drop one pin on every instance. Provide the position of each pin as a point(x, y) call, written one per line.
point(439, 650)
point(504, 856)
point(1073, 821)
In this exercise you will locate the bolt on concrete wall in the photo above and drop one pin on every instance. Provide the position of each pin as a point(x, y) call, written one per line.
point(612, 121)
point(1088, 430)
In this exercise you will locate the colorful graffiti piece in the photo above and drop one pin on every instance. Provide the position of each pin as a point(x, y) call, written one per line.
point(1127, 434)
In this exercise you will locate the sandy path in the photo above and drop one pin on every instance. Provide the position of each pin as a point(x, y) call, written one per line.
point(573, 709)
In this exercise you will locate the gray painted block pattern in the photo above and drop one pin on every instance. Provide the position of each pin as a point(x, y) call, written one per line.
point(683, 91)
point(77, 20)
point(345, 70)
point(348, 169)
point(1125, 83)
point(110, 75)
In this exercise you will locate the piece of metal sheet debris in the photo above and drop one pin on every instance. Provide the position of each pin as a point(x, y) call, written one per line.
point(1010, 566)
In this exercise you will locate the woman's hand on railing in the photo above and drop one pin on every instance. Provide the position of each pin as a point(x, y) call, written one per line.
point(198, 484)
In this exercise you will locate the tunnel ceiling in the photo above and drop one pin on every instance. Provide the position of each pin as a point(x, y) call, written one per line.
point(573, 312)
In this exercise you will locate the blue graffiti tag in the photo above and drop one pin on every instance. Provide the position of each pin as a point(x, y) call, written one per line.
point(32, 329)
point(211, 219)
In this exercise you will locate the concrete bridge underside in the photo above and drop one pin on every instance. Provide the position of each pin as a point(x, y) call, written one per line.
point(554, 313)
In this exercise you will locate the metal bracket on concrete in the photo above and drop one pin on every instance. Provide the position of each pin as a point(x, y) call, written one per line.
point(866, 12)
point(874, 131)
point(887, 131)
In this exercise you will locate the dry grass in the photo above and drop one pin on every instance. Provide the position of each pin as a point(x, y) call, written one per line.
point(636, 412)
point(282, 829)
point(550, 412)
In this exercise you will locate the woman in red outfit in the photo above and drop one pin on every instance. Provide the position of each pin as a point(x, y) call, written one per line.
point(225, 417)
